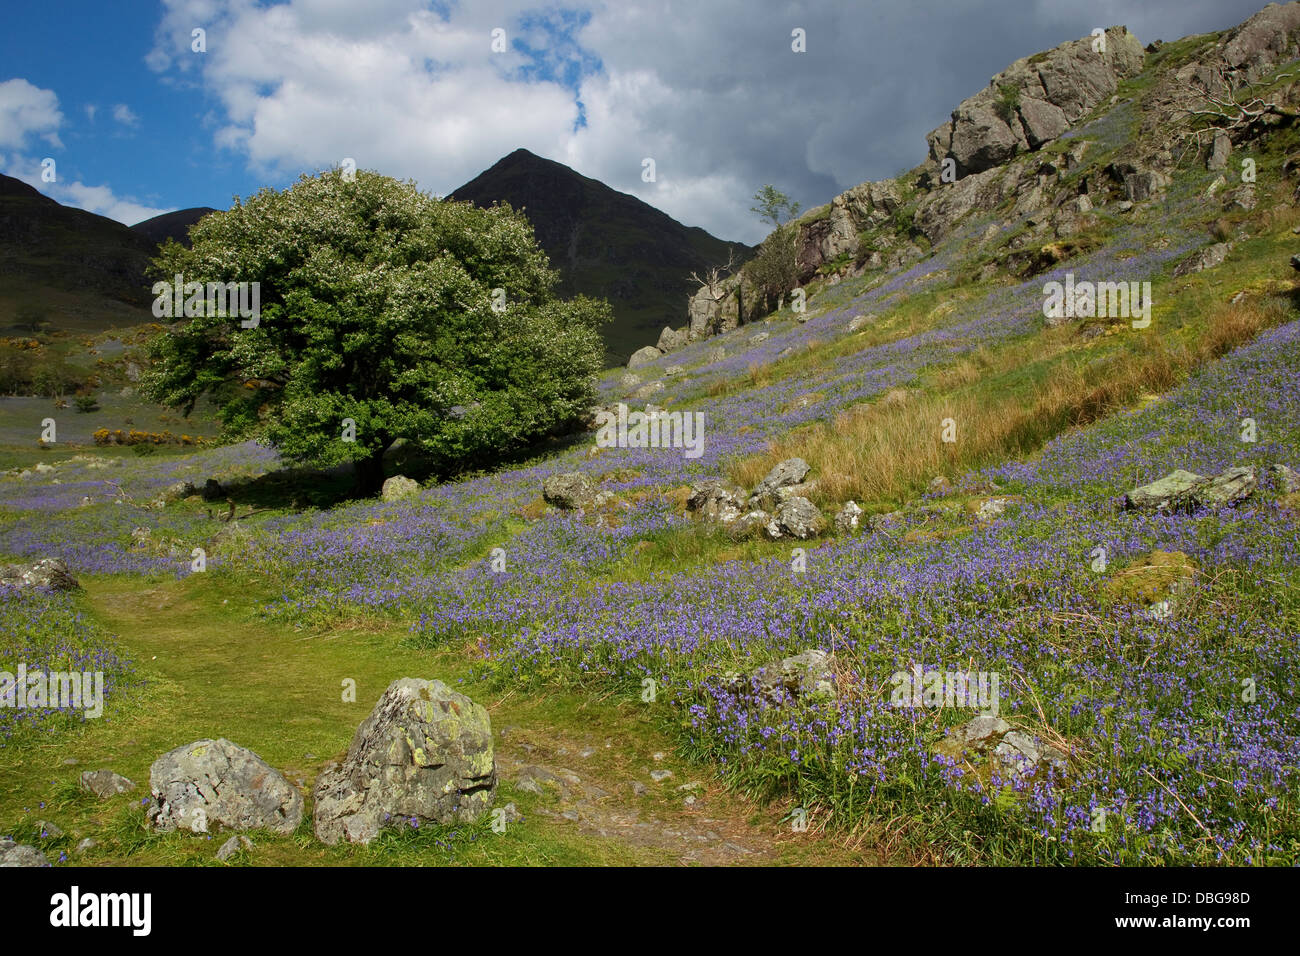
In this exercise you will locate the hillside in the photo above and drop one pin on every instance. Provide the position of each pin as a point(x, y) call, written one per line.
point(605, 243)
point(171, 225)
point(76, 270)
point(990, 555)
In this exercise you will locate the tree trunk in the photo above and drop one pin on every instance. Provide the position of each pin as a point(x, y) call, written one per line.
point(370, 474)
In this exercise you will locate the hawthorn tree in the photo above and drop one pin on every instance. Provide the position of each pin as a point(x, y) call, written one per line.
point(428, 321)
point(775, 269)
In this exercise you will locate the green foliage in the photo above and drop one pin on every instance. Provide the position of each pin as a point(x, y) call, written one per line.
point(377, 306)
point(775, 271)
point(774, 206)
point(86, 403)
point(1008, 101)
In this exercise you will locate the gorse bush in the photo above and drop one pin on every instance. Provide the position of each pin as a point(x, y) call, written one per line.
point(428, 321)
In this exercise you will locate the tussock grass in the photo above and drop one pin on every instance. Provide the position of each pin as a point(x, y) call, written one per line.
point(886, 451)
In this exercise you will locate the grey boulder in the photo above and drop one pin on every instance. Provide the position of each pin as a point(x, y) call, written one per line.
point(425, 752)
point(105, 783)
point(216, 782)
point(570, 490)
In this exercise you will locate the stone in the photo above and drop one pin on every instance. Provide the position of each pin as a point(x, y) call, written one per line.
point(20, 854)
point(939, 485)
point(797, 518)
point(717, 354)
point(211, 783)
point(228, 849)
point(792, 471)
point(670, 340)
point(569, 490)
point(1042, 121)
point(49, 829)
point(991, 509)
point(399, 487)
point(1024, 754)
point(857, 322)
point(673, 370)
point(86, 844)
point(643, 356)
point(179, 491)
point(849, 518)
point(105, 783)
point(648, 390)
point(1287, 479)
point(1241, 199)
point(1171, 493)
point(716, 500)
point(808, 674)
point(1227, 489)
point(659, 776)
point(50, 573)
point(627, 380)
point(1207, 258)
point(751, 524)
point(425, 752)
point(1220, 149)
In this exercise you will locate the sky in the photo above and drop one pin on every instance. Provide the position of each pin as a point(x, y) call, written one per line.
point(138, 120)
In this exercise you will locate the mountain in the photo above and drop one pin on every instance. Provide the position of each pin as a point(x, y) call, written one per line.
point(604, 243)
point(72, 268)
point(172, 225)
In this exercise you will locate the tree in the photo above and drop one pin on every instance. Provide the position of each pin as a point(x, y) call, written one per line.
point(775, 269)
point(1216, 100)
point(432, 322)
point(774, 206)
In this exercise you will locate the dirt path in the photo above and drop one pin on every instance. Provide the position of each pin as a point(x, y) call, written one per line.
point(596, 780)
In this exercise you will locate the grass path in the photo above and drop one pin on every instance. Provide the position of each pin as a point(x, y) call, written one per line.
point(215, 668)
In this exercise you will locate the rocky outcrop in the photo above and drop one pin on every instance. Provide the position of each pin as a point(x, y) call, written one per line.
point(799, 677)
point(670, 339)
point(796, 518)
point(424, 754)
point(1034, 101)
point(217, 783)
point(50, 573)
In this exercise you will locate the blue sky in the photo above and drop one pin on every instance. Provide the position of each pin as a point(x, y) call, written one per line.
point(710, 89)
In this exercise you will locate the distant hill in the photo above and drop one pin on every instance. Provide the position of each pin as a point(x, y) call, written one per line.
point(605, 243)
point(78, 270)
point(172, 225)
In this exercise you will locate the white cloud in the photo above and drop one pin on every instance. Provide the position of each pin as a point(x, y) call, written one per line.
point(97, 199)
point(712, 91)
point(125, 115)
point(91, 109)
point(27, 111)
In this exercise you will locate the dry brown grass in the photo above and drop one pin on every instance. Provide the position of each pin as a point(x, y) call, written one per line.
point(889, 449)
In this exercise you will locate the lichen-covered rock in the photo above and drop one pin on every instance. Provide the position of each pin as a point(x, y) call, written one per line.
point(398, 487)
point(19, 854)
point(792, 471)
point(1287, 479)
point(105, 783)
point(212, 783)
point(797, 518)
point(716, 500)
point(802, 675)
point(670, 339)
point(749, 525)
point(849, 518)
point(425, 752)
point(1170, 493)
point(570, 490)
point(643, 356)
point(49, 573)
point(1227, 489)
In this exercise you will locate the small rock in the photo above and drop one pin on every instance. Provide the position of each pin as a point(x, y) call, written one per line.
point(659, 776)
point(571, 490)
point(228, 849)
point(87, 844)
point(399, 487)
point(1287, 479)
point(49, 829)
point(849, 518)
point(105, 783)
point(1227, 489)
point(638, 788)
